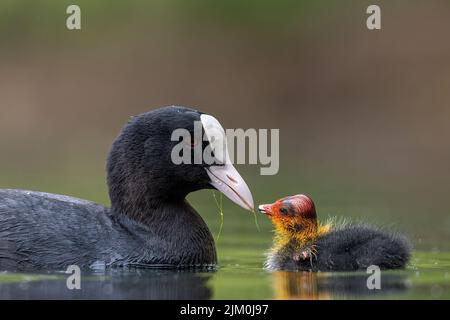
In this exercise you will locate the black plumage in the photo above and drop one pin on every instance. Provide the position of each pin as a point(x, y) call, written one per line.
point(348, 248)
point(149, 224)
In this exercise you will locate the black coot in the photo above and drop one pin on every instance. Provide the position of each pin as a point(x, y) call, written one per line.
point(149, 224)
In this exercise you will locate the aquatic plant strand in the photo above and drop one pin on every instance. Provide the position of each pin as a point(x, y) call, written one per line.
point(256, 220)
point(220, 207)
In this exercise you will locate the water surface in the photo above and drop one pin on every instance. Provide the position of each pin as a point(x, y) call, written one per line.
point(428, 277)
point(242, 245)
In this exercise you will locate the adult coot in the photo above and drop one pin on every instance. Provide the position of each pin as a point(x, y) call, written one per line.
point(149, 224)
point(303, 243)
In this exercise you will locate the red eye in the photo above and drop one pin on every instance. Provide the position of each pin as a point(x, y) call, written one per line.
point(192, 142)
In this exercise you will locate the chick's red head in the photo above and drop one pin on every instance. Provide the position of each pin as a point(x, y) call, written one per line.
point(294, 212)
point(298, 206)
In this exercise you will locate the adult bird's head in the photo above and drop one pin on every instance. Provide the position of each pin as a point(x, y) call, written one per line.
point(147, 163)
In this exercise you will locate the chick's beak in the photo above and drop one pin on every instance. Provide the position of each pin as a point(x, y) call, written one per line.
point(266, 209)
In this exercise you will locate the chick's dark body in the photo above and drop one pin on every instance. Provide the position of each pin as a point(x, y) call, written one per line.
point(345, 249)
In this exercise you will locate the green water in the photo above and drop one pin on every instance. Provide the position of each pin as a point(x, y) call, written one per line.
point(239, 277)
point(241, 249)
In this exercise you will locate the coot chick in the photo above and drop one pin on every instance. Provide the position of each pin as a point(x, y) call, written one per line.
point(149, 224)
point(303, 243)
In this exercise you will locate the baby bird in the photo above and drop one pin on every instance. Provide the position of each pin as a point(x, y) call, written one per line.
point(303, 243)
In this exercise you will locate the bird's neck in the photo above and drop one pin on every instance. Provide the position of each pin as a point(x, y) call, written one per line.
point(165, 210)
point(144, 199)
point(147, 206)
point(175, 227)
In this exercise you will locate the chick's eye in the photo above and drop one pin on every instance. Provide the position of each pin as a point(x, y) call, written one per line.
point(283, 210)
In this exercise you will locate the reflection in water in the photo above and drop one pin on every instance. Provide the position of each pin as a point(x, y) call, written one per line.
point(115, 284)
point(313, 286)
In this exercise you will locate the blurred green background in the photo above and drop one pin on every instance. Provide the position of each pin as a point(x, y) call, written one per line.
point(363, 115)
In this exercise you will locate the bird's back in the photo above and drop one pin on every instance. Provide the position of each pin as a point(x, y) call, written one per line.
point(358, 247)
point(45, 230)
